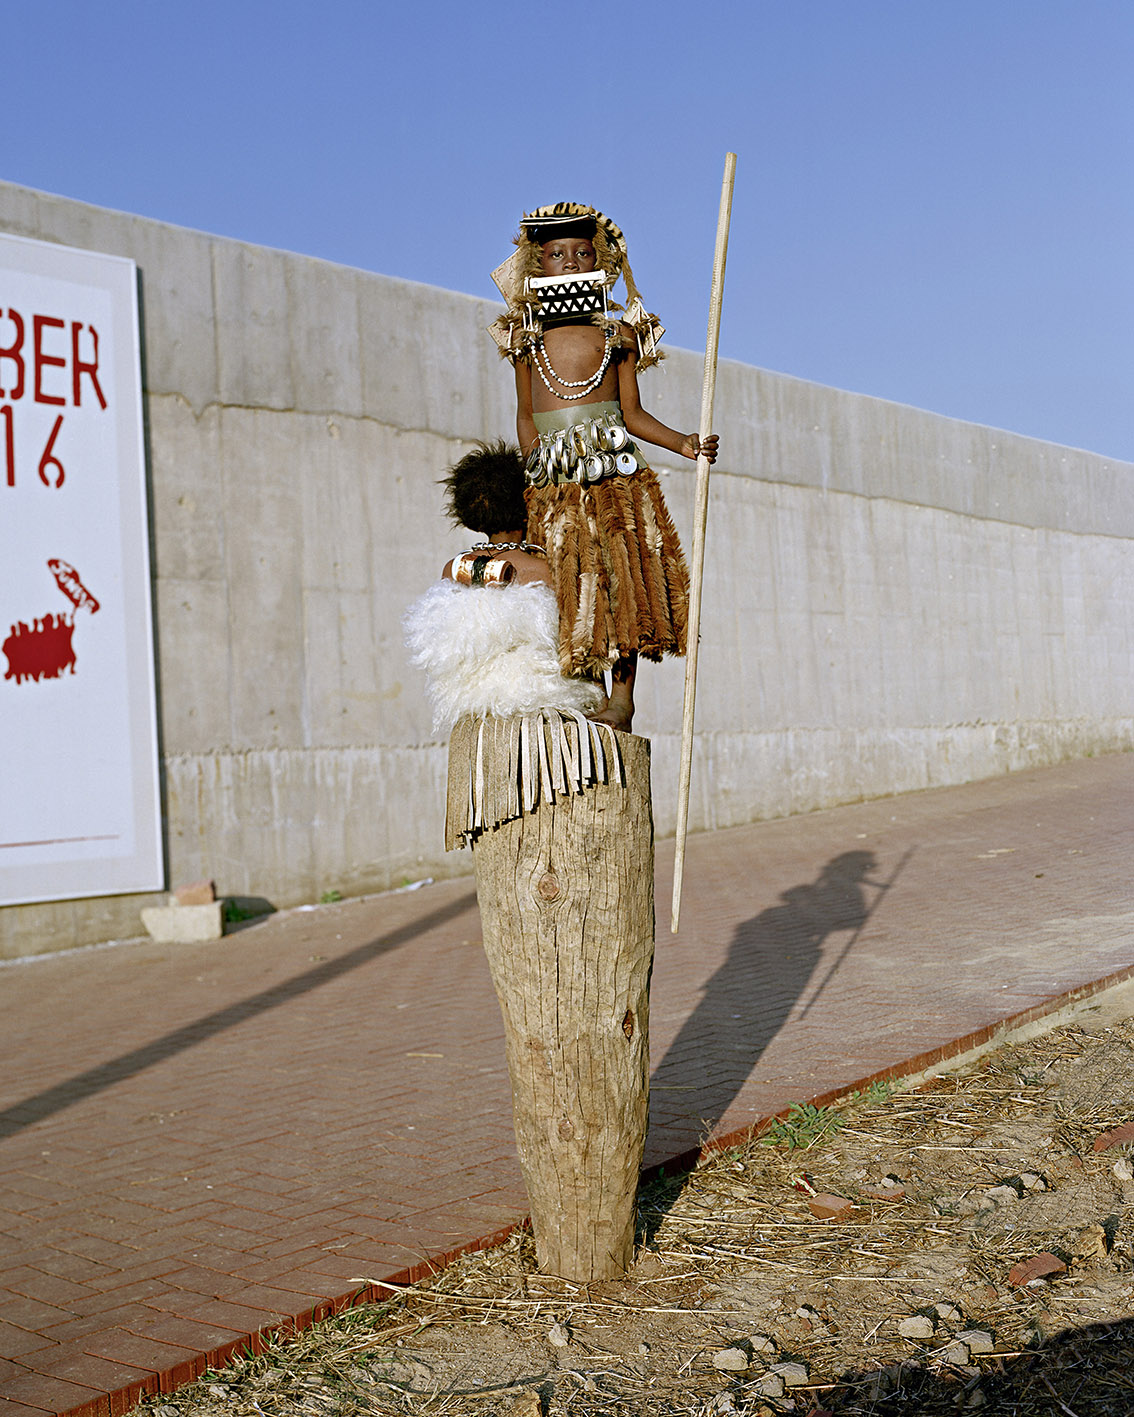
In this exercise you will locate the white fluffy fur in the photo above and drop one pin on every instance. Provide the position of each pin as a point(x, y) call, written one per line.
point(493, 649)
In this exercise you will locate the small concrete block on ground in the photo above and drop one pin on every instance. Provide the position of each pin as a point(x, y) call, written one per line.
point(184, 924)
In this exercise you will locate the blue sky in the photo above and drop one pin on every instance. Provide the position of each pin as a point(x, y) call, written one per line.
point(934, 201)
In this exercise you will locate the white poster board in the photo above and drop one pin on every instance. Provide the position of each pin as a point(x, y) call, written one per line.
point(79, 798)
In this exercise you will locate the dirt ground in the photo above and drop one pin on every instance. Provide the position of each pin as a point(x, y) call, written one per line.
point(916, 1297)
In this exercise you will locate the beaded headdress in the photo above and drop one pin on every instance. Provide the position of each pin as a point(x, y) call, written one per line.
point(525, 291)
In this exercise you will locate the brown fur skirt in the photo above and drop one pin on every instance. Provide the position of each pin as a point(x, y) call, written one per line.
point(617, 568)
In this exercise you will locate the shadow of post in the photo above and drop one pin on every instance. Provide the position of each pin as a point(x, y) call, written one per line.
point(770, 962)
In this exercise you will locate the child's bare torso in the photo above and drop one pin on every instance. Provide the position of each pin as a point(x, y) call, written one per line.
point(575, 352)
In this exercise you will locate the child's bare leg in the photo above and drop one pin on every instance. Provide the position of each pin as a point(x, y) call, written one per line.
point(619, 711)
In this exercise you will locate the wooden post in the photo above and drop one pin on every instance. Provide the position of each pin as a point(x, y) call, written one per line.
point(567, 905)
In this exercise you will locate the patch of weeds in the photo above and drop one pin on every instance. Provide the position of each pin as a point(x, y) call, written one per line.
point(330, 897)
point(804, 1125)
point(880, 1090)
point(234, 912)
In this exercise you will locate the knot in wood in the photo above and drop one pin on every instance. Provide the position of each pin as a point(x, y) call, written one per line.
point(566, 1130)
point(548, 886)
point(628, 1024)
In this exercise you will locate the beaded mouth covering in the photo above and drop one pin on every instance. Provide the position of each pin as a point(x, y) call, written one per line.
point(563, 297)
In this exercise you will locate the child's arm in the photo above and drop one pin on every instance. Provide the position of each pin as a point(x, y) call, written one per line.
point(525, 569)
point(645, 426)
point(526, 432)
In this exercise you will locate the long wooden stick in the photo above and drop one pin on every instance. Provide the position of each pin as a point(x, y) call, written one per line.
point(700, 520)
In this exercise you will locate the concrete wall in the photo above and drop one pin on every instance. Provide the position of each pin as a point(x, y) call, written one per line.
point(893, 599)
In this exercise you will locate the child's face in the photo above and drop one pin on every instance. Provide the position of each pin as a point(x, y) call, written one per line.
point(567, 256)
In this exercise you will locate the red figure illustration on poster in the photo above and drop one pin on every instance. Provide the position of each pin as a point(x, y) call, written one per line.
point(44, 649)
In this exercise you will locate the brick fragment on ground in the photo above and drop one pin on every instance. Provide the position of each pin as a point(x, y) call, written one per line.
point(883, 1192)
point(827, 1206)
point(1115, 1137)
point(195, 893)
point(1038, 1267)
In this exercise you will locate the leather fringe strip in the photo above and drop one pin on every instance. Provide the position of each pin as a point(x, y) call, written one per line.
point(500, 768)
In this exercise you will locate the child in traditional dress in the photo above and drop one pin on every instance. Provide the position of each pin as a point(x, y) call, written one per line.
point(593, 503)
point(494, 650)
point(486, 635)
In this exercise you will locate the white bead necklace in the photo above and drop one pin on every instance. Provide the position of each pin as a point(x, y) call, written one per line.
point(586, 386)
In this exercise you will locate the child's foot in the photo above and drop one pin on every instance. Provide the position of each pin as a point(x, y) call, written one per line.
point(616, 716)
point(619, 708)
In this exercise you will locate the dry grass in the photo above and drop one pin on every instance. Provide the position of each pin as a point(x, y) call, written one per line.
point(733, 1257)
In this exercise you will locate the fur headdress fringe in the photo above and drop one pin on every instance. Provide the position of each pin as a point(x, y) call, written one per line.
point(500, 768)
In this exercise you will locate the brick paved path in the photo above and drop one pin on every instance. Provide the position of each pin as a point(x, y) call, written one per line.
point(199, 1142)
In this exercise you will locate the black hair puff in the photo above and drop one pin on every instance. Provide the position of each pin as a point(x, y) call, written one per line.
point(486, 489)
